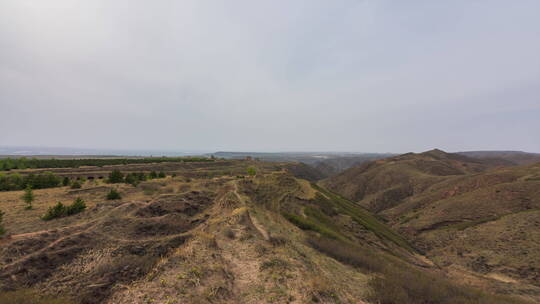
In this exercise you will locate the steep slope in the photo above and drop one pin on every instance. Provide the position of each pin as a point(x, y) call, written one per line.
point(385, 183)
point(484, 223)
point(487, 223)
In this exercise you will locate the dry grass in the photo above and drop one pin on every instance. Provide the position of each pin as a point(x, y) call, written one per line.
point(404, 285)
point(395, 282)
point(30, 297)
point(348, 253)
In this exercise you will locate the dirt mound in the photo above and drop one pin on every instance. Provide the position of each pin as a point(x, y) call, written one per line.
point(189, 204)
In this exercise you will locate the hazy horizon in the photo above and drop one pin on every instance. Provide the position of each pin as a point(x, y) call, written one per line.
point(23, 151)
point(279, 76)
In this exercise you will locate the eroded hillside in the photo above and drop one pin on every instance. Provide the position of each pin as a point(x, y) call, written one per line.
point(480, 223)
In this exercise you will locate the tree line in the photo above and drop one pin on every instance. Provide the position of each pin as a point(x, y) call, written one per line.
point(133, 178)
point(15, 181)
point(34, 163)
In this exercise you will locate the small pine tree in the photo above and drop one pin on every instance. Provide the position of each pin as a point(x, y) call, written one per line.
point(113, 195)
point(58, 210)
point(77, 206)
point(28, 197)
point(65, 181)
point(161, 174)
point(116, 177)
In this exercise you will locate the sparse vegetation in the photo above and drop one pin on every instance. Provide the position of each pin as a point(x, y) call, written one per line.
point(28, 197)
point(113, 195)
point(273, 263)
point(65, 181)
point(322, 290)
point(405, 285)
point(60, 210)
point(76, 185)
point(149, 188)
point(161, 174)
point(309, 224)
point(364, 218)
point(398, 283)
point(348, 253)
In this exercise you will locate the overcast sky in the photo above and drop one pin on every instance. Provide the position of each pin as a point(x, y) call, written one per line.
point(372, 76)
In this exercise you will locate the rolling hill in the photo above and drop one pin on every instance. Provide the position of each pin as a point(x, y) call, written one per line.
point(463, 213)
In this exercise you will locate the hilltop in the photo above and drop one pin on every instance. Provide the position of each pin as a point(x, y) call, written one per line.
point(512, 157)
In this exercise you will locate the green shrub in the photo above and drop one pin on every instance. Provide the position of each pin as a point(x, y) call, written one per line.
point(116, 177)
point(78, 206)
point(28, 197)
point(65, 181)
point(152, 175)
point(76, 185)
point(161, 174)
point(113, 195)
point(251, 171)
point(60, 210)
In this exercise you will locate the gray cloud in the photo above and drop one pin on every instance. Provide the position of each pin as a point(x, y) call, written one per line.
point(275, 75)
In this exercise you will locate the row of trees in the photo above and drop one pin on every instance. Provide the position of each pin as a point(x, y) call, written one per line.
point(133, 178)
point(17, 181)
point(25, 163)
